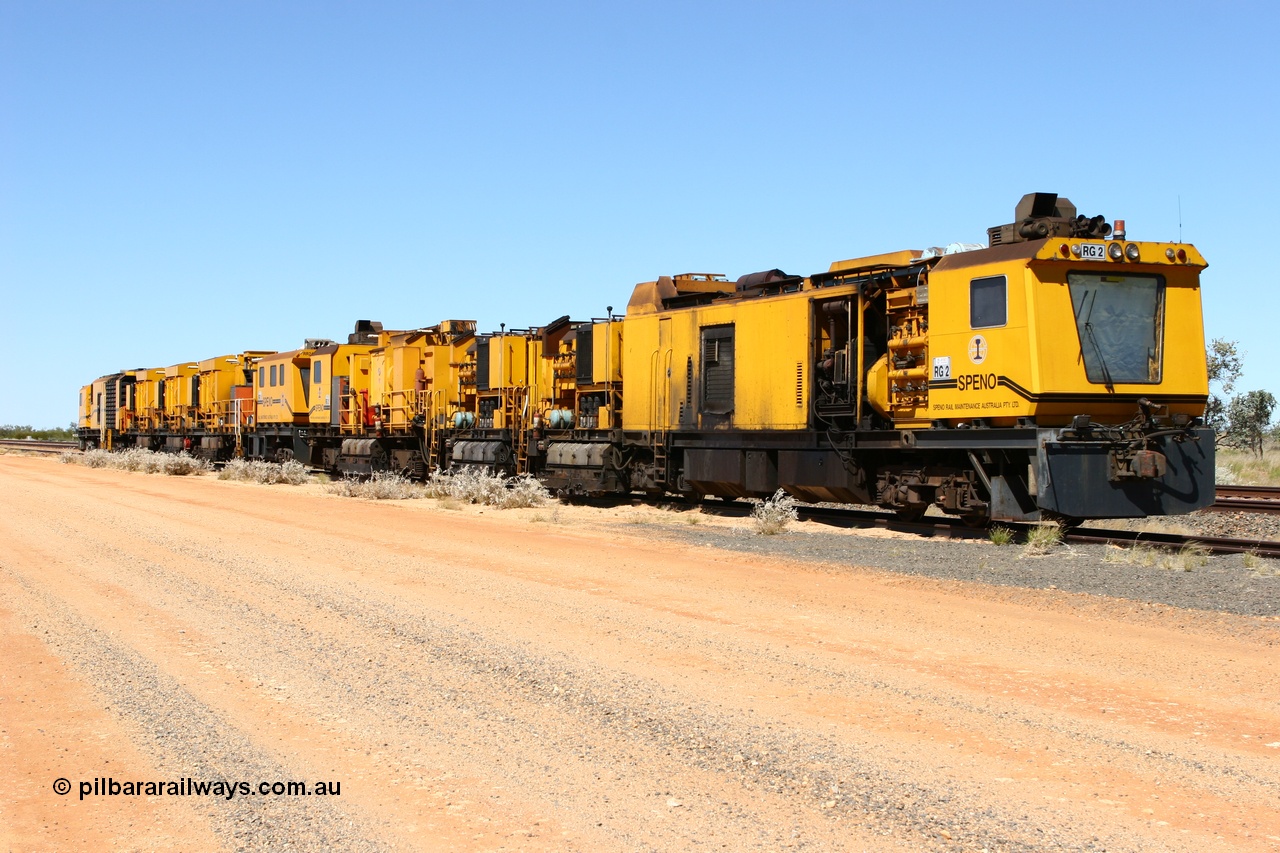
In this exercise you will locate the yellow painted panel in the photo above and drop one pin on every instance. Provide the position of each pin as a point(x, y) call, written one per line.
point(508, 361)
point(643, 363)
point(887, 259)
point(379, 375)
point(218, 376)
point(147, 398)
point(985, 364)
point(1058, 350)
point(177, 390)
point(335, 364)
point(86, 407)
point(771, 364)
point(1163, 254)
point(285, 402)
point(606, 355)
point(1033, 366)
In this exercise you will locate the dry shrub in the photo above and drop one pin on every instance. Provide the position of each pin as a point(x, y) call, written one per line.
point(1000, 535)
point(1189, 557)
point(1261, 566)
point(481, 486)
point(1141, 554)
point(66, 457)
point(388, 486)
point(1041, 539)
point(382, 486)
point(137, 460)
point(181, 464)
point(238, 469)
point(524, 491)
point(147, 462)
point(291, 473)
point(96, 458)
point(347, 487)
point(468, 485)
point(773, 515)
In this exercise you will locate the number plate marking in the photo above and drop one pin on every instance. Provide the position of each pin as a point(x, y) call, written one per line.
point(1093, 251)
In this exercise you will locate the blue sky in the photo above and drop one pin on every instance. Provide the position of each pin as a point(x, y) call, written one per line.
point(181, 180)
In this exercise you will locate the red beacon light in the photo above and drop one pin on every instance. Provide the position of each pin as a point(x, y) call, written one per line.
point(1118, 231)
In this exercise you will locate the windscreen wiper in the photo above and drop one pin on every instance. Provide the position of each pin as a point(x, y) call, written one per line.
point(1102, 359)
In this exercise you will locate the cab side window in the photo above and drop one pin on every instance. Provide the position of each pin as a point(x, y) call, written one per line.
point(988, 302)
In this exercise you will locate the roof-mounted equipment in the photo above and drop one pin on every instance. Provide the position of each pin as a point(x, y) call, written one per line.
point(366, 332)
point(1042, 215)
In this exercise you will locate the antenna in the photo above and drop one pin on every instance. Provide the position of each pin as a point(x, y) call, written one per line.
point(1179, 217)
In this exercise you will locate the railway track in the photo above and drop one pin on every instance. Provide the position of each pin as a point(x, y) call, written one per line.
point(953, 528)
point(39, 446)
point(1246, 499)
point(1263, 499)
point(1211, 544)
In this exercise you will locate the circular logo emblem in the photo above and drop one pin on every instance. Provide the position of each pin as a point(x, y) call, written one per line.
point(978, 349)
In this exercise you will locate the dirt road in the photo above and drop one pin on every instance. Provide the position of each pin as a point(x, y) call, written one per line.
point(499, 680)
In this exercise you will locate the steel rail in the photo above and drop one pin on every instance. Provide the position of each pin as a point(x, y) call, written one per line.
point(1264, 499)
point(1244, 505)
point(953, 528)
point(1211, 544)
point(39, 445)
point(1266, 493)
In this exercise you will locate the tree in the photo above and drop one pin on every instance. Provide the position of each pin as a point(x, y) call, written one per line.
point(1249, 419)
point(1225, 363)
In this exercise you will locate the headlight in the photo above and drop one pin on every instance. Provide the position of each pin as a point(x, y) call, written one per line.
point(1131, 252)
point(1115, 252)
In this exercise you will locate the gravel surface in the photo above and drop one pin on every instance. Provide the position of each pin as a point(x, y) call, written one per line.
point(625, 679)
point(190, 739)
point(1228, 525)
point(1229, 583)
